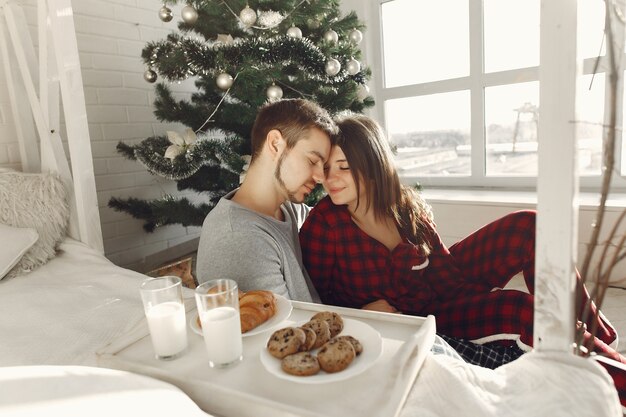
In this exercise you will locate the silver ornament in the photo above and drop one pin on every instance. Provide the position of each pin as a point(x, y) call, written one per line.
point(294, 32)
point(333, 67)
point(247, 16)
point(353, 66)
point(355, 36)
point(274, 92)
point(189, 14)
point(224, 81)
point(330, 36)
point(165, 14)
point(150, 76)
point(363, 91)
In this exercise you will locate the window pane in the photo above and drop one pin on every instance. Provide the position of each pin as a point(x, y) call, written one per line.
point(589, 123)
point(591, 28)
point(432, 133)
point(511, 34)
point(511, 129)
point(424, 41)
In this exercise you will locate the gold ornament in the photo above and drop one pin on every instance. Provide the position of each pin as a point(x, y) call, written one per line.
point(333, 67)
point(355, 36)
point(224, 81)
point(247, 16)
point(189, 14)
point(274, 92)
point(165, 14)
point(150, 76)
point(330, 36)
point(353, 66)
point(294, 32)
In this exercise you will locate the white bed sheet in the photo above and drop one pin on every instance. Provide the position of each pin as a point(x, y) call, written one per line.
point(61, 313)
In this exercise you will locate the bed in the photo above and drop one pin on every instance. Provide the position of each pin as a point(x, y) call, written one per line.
point(60, 297)
point(59, 307)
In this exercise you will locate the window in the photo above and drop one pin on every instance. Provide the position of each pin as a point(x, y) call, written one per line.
point(460, 90)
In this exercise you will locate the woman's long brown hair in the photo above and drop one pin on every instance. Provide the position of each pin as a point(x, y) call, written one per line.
point(370, 158)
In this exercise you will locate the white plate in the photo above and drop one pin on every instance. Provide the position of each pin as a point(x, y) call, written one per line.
point(372, 349)
point(283, 310)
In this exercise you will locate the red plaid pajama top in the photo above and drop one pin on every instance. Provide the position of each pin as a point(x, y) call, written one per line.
point(350, 268)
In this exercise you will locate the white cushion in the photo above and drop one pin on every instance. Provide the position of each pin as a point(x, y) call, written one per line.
point(18, 241)
point(40, 202)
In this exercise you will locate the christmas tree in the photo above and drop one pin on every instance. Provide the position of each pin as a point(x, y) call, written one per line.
point(241, 54)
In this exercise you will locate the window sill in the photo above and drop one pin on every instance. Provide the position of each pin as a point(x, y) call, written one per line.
point(587, 200)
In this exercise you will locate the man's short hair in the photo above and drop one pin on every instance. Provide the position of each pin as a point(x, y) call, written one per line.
point(293, 118)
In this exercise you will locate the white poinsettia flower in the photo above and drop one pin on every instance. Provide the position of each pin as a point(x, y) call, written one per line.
point(179, 143)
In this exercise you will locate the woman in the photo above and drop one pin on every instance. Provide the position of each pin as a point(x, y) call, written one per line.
point(373, 241)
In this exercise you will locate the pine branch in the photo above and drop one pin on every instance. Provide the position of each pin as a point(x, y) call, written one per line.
point(157, 213)
point(127, 151)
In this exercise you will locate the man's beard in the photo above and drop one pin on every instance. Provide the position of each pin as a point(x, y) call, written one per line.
point(291, 196)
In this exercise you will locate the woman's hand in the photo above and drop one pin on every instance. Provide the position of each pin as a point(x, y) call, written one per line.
point(380, 305)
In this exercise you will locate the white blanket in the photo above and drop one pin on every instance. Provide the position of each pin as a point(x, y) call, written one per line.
point(537, 385)
point(64, 311)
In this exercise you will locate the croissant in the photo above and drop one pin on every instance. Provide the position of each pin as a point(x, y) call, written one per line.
point(255, 308)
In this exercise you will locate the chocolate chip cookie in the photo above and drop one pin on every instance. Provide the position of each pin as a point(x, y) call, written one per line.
point(334, 320)
point(336, 355)
point(321, 329)
point(358, 347)
point(285, 342)
point(310, 339)
point(300, 364)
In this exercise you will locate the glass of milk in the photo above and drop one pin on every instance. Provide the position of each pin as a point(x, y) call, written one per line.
point(163, 303)
point(218, 308)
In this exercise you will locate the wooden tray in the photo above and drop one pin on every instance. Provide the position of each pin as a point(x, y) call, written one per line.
point(248, 389)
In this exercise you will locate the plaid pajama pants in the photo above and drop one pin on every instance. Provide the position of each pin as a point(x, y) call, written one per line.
point(483, 312)
point(488, 259)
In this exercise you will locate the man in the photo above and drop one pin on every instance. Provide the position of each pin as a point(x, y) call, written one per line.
point(251, 235)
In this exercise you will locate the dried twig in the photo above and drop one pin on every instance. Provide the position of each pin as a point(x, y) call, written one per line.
point(602, 278)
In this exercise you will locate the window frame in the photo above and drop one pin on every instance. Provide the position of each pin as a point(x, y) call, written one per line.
point(475, 83)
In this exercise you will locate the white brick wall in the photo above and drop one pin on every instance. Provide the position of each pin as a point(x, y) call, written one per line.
point(111, 34)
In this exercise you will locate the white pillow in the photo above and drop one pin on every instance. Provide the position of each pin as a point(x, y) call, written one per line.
point(40, 202)
point(19, 240)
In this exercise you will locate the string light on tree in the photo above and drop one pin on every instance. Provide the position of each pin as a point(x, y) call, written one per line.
point(150, 76)
point(274, 92)
point(165, 14)
point(333, 67)
point(224, 81)
point(353, 66)
point(294, 32)
point(247, 16)
point(189, 14)
point(355, 36)
point(330, 36)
